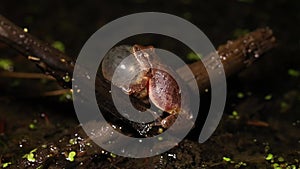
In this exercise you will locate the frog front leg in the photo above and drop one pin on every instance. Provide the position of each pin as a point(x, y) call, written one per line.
point(186, 119)
point(139, 85)
point(138, 92)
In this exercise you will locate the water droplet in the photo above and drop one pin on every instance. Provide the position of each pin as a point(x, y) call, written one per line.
point(123, 66)
point(172, 155)
point(25, 30)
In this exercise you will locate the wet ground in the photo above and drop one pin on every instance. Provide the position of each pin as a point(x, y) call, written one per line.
point(261, 123)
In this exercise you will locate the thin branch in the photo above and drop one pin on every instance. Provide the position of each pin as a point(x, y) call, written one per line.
point(235, 55)
point(56, 92)
point(49, 59)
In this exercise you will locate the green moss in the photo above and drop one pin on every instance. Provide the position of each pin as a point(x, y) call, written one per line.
point(269, 157)
point(268, 97)
point(6, 64)
point(240, 95)
point(30, 156)
point(293, 73)
point(32, 126)
point(67, 78)
point(59, 45)
point(235, 115)
point(4, 165)
point(280, 159)
point(227, 159)
point(113, 155)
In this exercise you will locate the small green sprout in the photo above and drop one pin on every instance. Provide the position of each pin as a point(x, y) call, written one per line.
point(160, 138)
point(227, 159)
point(268, 97)
point(73, 141)
point(4, 165)
point(294, 73)
point(67, 78)
point(240, 164)
point(276, 166)
point(236, 164)
point(281, 159)
point(194, 56)
point(65, 97)
point(6, 64)
point(30, 155)
point(269, 157)
point(59, 45)
point(113, 155)
point(160, 130)
point(234, 115)
point(71, 156)
point(32, 126)
point(40, 167)
point(240, 95)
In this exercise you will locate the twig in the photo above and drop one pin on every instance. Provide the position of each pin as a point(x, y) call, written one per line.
point(56, 92)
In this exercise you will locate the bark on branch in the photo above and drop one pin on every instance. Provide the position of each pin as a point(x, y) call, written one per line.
point(49, 59)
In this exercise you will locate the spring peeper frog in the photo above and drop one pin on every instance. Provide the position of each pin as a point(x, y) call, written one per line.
point(155, 83)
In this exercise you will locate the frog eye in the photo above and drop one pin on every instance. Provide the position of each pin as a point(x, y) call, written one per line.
point(136, 48)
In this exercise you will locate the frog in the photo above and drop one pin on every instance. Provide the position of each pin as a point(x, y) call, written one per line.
point(155, 82)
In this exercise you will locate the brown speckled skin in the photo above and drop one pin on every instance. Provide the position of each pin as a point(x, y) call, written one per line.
point(164, 91)
point(161, 88)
